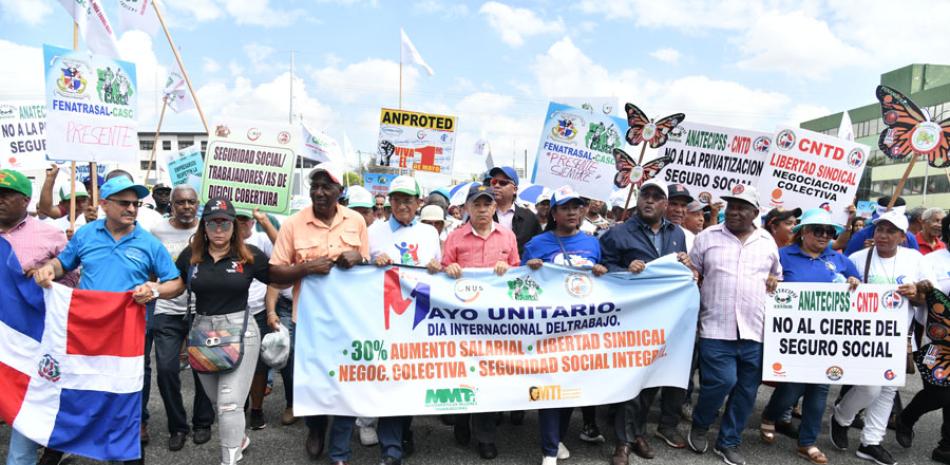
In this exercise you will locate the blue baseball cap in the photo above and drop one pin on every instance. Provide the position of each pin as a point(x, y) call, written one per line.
point(477, 191)
point(565, 194)
point(508, 171)
point(119, 184)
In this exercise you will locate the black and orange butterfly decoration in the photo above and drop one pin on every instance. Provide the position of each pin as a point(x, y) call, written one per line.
point(647, 131)
point(631, 173)
point(933, 359)
point(911, 131)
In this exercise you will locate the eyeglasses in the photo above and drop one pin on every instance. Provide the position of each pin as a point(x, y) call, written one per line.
point(826, 231)
point(183, 202)
point(127, 203)
point(500, 182)
point(218, 225)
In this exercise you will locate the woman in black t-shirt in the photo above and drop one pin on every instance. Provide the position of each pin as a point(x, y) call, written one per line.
point(220, 268)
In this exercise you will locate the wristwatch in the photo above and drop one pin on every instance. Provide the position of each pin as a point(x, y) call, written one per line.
point(155, 293)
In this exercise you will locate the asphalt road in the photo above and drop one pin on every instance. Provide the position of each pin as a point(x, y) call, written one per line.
point(277, 444)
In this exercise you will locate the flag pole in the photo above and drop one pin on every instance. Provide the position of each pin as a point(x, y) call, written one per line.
point(158, 131)
point(400, 69)
point(900, 184)
point(181, 65)
point(72, 165)
point(94, 179)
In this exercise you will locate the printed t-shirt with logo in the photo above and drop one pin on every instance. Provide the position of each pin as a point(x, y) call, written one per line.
point(175, 240)
point(582, 249)
point(221, 287)
point(905, 267)
point(416, 244)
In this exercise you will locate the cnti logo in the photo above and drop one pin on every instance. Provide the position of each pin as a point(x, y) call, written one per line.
point(855, 158)
point(891, 300)
point(394, 302)
point(785, 139)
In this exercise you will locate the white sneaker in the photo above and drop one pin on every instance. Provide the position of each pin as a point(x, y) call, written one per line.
point(549, 461)
point(562, 452)
point(368, 436)
point(237, 454)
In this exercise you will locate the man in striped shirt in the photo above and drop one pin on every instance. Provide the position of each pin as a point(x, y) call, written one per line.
point(739, 265)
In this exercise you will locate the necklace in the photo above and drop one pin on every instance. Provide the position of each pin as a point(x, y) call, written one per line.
point(889, 276)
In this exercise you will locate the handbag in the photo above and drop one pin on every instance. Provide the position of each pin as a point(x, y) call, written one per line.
point(214, 348)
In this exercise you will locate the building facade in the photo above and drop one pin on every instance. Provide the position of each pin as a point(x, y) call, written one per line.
point(929, 87)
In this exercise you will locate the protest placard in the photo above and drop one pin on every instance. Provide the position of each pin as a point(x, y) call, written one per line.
point(251, 164)
point(823, 333)
point(708, 160)
point(576, 149)
point(23, 135)
point(866, 208)
point(186, 166)
point(91, 107)
point(416, 141)
point(807, 169)
point(424, 344)
point(378, 183)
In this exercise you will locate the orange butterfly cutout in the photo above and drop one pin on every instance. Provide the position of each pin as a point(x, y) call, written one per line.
point(910, 130)
point(628, 172)
point(643, 129)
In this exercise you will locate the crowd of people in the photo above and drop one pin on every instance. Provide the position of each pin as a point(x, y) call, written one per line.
point(234, 267)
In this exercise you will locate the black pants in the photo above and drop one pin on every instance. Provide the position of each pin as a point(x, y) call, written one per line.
point(168, 334)
point(631, 418)
point(930, 398)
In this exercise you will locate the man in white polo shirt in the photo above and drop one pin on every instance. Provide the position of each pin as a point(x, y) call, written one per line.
point(402, 240)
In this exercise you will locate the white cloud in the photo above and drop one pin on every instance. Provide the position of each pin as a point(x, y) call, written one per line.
point(689, 15)
point(374, 78)
point(796, 44)
point(260, 13)
point(515, 24)
point(268, 101)
point(198, 10)
point(667, 55)
point(137, 47)
point(24, 81)
point(210, 65)
point(439, 7)
point(30, 12)
point(565, 70)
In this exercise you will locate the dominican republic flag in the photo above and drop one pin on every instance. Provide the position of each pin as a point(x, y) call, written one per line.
point(71, 365)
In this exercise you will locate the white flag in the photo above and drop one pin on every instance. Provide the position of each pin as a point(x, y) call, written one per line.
point(94, 25)
point(410, 55)
point(318, 146)
point(481, 145)
point(845, 129)
point(176, 93)
point(350, 155)
point(138, 14)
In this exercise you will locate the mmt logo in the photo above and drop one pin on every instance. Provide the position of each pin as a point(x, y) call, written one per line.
point(395, 302)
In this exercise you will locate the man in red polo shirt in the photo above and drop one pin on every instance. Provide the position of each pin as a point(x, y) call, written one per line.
point(928, 239)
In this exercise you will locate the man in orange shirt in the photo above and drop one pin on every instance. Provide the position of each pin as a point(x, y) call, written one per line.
point(313, 241)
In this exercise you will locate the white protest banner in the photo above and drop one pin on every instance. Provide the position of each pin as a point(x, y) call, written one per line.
point(424, 344)
point(185, 166)
point(807, 169)
point(91, 107)
point(708, 160)
point(419, 141)
point(23, 135)
point(823, 333)
point(251, 164)
point(576, 148)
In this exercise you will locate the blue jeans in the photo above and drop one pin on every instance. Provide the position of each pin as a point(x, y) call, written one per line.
point(285, 311)
point(340, 433)
point(553, 423)
point(391, 431)
point(733, 369)
point(22, 450)
point(813, 408)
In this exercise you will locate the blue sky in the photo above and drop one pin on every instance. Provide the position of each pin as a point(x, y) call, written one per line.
point(752, 64)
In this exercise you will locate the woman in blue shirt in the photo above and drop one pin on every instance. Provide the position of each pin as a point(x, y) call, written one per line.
point(563, 243)
point(809, 259)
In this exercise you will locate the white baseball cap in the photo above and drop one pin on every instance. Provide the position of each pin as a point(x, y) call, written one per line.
point(358, 196)
point(894, 217)
point(432, 213)
point(658, 184)
point(405, 184)
point(744, 193)
point(334, 170)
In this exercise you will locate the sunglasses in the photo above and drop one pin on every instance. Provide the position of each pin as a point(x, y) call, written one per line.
point(500, 182)
point(127, 203)
point(826, 231)
point(218, 225)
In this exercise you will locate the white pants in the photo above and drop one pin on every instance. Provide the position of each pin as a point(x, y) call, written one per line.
point(877, 402)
